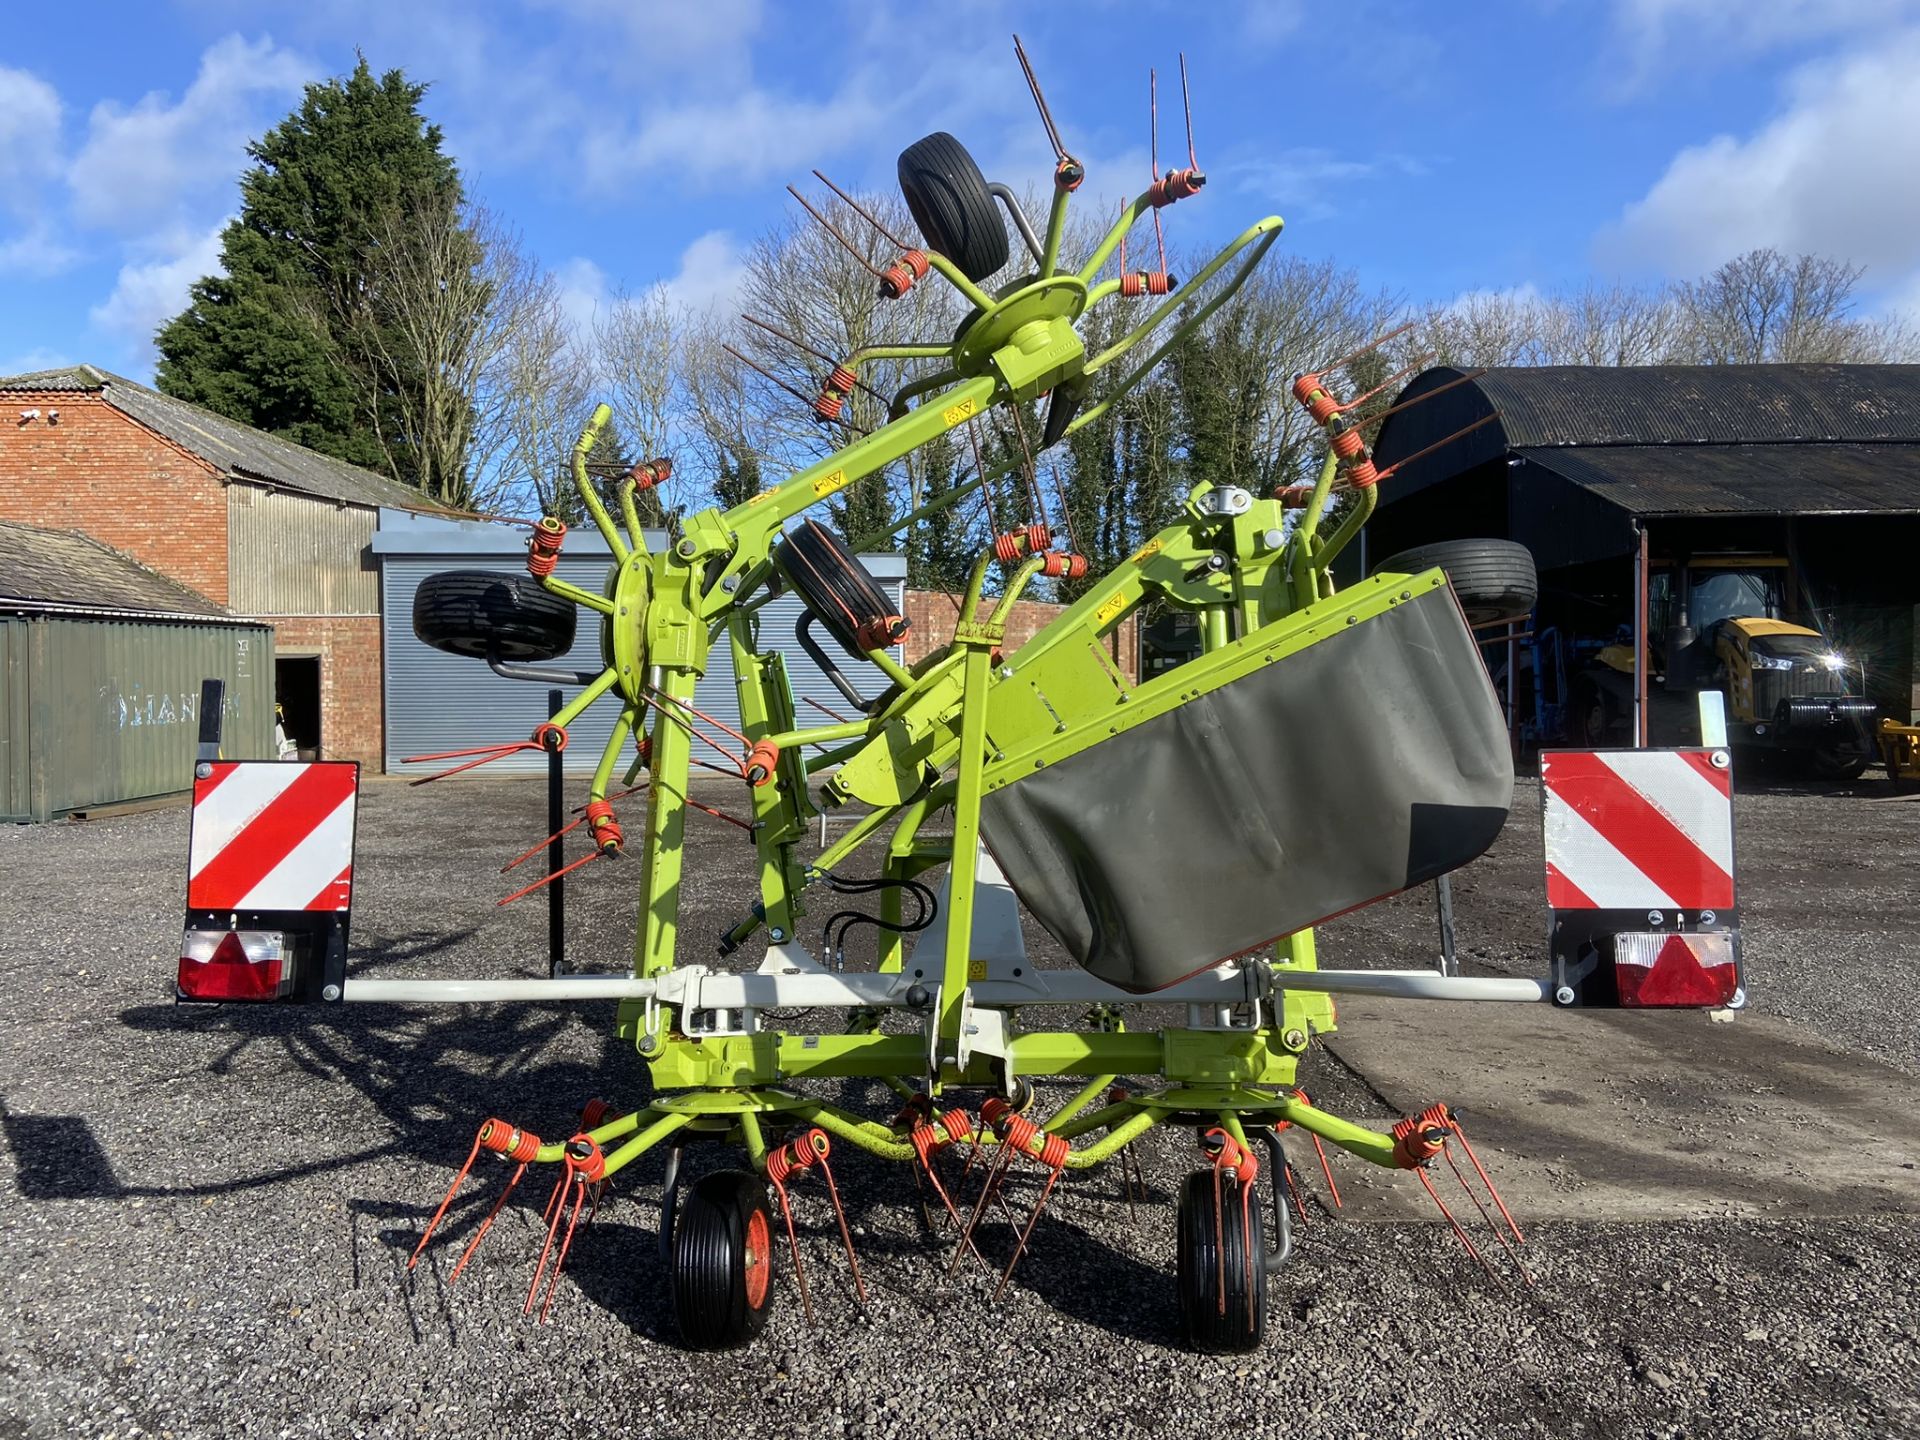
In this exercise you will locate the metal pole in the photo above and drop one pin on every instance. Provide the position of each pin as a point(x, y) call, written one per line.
point(1513, 691)
point(1640, 726)
point(556, 852)
point(1443, 891)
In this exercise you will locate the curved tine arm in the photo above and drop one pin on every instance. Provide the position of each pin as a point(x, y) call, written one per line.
point(1186, 327)
point(1016, 582)
point(913, 389)
point(603, 522)
point(1357, 515)
point(1005, 195)
point(1121, 228)
point(609, 757)
point(1265, 231)
point(548, 674)
point(958, 280)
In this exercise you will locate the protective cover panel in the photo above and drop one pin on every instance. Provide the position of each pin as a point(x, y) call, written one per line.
point(1367, 763)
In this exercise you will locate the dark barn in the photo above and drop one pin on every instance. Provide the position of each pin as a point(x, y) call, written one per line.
point(1819, 464)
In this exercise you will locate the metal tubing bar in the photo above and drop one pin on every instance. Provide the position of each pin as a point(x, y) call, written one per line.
point(1369, 1145)
point(1114, 1141)
point(728, 991)
point(1004, 193)
point(554, 585)
point(576, 707)
point(603, 522)
point(1265, 231)
point(647, 1139)
point(1083, 1098)
point(857, 1133)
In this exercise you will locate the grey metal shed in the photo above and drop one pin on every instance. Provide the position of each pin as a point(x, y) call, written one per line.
point(437, 702)
point(101, 661)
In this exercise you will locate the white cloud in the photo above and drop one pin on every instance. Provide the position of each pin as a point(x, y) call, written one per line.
point(1652, 26)
point(742, 137)
point(584, 291)
point(149, 292)
point(39, 358)
point(1305, 181)
point(36, 251)
point(1832, 174)
point(29, 136)
point(710, 275)
point(142, 165)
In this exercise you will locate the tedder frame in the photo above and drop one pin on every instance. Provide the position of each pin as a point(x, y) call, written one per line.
point(959, 1010)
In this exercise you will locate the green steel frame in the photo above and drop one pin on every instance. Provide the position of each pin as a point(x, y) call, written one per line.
point(960, 725)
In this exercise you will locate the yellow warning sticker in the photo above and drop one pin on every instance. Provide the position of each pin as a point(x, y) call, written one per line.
point(761, 498)
point(1147, 551)
point(976, 970)
point(827, 484)
point(1110, 607)
point(954, 414)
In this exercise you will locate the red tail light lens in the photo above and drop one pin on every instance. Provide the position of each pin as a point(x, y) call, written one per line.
point(1656, 970)
point(235, 965)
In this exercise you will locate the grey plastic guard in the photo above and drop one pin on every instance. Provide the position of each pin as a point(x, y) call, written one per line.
point(1365, 764)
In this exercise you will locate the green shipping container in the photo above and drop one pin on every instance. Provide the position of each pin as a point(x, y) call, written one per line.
point(96, 712)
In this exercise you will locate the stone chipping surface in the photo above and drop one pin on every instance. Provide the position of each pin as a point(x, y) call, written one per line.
point(206, 1214)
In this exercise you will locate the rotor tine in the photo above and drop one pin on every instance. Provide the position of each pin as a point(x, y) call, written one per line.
point(1438, 444)
point(486, 1224)
point(1459, 1232)
point(1186, 101)
point(1020, 1248)
point(793, 1244)
point(1492, 1189)
point(1373, 344)
point(1293, 1192)
point(832, 230)
point(1326, 1170)
point(1388, 383)
point(860, 210)
point(433, 1224)
point(544, 880)
point(979, 1207)
point(1039, 100)
point(1492, 1224)
point(1424, 395)
point(566, 1244)
point(846, 1235)
point(540, 845)
point(555, 1208)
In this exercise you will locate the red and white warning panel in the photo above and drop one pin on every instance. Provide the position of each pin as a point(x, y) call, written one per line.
point(268, 835)
point(269, 880)
point(1639, 863)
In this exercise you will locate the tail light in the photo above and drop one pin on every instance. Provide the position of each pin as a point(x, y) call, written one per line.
point(1651, 969)
point(235, 965)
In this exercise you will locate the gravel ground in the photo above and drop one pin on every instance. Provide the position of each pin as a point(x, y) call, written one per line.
point(208, 1213)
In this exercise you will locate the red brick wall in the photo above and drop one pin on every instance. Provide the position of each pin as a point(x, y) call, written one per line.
point(932, 613)
point(100, 473)
point(351, 719)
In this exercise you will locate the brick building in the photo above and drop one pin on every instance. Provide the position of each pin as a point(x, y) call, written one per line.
point(932, 614)
point(256, 524)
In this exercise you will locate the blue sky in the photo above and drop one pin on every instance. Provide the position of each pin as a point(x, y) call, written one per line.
point(1436, 149)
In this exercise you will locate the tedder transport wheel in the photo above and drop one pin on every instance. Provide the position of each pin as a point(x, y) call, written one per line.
point(485, 615)
point(1840, 759)
point(952, 206)
point(1242, 1322)
point(838, 589)
point(722, 1264)
point(1494, 579)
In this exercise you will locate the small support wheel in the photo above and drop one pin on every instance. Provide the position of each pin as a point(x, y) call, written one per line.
point(722, 1262)
point(1214, 1241)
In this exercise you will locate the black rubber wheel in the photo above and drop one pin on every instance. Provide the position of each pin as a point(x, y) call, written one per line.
point(1494, 579)
point(485, 615)
point(722, 1263)
point(838, 589)
point(952, 206)
point(1207, 1325)
point(1840, 759)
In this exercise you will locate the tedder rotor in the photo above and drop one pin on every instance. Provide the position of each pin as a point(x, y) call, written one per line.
point(1179, 835)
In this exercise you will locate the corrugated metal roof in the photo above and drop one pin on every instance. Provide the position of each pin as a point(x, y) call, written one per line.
point(58, 569)
point(235, 449)
point(1767, 479)
point(1679, 404)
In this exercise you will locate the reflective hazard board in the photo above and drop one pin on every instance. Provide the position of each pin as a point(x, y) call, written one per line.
point(1640, 877)
point(273, 835)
